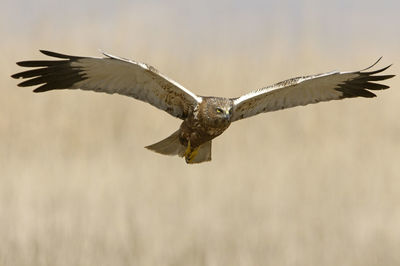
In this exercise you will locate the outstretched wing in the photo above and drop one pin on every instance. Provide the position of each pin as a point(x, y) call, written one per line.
point(309, 89)
point(110, 74)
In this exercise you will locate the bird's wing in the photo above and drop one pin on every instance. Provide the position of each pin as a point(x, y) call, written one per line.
point(110, 74)
point(305, 90)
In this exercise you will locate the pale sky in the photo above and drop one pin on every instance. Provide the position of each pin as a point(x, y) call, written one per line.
point(328, 24)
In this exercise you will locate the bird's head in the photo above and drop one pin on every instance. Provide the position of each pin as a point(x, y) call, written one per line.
point(219, 111)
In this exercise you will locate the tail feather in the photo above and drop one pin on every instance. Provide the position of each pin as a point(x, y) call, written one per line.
point(172, 146)
point(203, 153)
point(169, 146)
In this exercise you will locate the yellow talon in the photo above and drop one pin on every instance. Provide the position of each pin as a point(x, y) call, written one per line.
point(190, 154)
point(188, 150)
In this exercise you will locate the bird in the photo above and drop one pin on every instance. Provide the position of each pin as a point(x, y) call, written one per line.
point(204, 118)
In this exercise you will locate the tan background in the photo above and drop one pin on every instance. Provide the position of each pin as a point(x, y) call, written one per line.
point(315, 185)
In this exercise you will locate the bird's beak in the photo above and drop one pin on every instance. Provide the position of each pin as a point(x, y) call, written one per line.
point(227, 114)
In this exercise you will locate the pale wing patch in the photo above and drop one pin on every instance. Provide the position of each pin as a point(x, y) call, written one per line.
point(154, 70)
point(110, 75)
point(279, 85)
point(308, 89)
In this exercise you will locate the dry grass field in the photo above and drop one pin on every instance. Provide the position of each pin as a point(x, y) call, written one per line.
point(314, 185)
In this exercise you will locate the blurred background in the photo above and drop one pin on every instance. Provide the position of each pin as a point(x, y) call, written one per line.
point(314, 185)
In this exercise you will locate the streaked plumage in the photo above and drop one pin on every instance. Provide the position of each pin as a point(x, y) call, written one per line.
point(204, 118)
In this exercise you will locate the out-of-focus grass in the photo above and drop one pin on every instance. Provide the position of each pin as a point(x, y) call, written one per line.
point(315, 185)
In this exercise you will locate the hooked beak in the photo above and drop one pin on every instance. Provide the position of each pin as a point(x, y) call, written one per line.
point(227, 114)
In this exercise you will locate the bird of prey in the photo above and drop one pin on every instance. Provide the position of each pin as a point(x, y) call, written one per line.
point(204, 118)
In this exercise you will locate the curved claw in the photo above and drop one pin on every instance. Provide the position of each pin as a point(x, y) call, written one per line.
point(188, 150)
point(190, 154)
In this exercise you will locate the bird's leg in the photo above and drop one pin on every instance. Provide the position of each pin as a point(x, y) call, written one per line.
point(190, 154)
point(188, 150)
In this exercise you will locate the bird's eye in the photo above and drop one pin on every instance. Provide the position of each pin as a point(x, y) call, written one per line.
point(219, 110)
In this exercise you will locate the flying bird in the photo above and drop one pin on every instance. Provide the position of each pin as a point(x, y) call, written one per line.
point(204, 118)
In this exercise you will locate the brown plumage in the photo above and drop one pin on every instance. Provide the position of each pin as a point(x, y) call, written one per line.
point(208, 120)
point(204, 118)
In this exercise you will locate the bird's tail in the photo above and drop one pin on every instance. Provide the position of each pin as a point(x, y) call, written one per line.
point(199, 154)
point(172, 146)
point(169, 146)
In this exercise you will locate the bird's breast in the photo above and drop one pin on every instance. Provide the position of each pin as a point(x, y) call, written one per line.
point(198, 132)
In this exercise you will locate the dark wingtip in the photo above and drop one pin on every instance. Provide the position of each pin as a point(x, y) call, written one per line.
point(377, 61)
point(350, 92)
point(389, 76)
point(374, 72)
point(22, 63)
point(58, 55)
point(15, 76)
point(46, 52)
point(38, 90)
point(53, 54)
